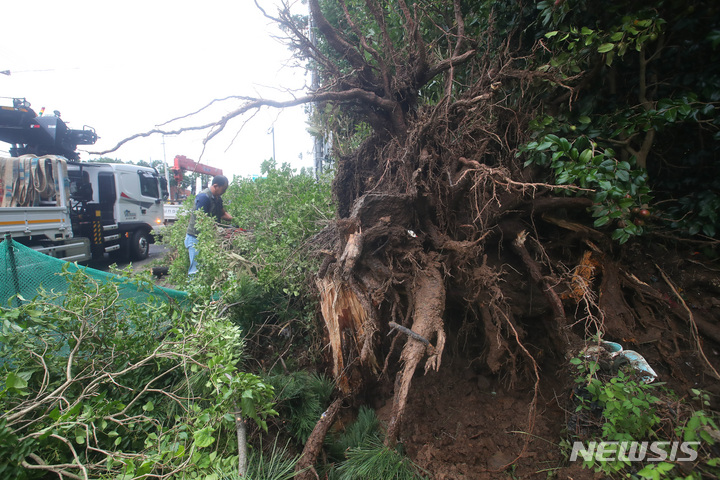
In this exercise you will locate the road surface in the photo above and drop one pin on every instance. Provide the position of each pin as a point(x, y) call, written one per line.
point(157, 251)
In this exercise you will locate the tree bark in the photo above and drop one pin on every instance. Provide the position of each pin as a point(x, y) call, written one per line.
point(304, 469)
point(429, 307)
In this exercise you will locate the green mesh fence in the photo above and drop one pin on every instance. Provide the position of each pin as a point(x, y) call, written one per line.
point(26, 272)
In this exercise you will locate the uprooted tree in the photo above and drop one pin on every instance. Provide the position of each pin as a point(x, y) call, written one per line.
point(442, 231)
point(492, 151)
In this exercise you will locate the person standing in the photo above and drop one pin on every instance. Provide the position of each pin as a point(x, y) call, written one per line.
point(210, 202)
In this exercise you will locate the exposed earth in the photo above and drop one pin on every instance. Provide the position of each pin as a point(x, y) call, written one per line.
point(464, 423)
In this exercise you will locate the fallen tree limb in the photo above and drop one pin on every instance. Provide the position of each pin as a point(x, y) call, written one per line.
point(218, 126)
point(304, 469)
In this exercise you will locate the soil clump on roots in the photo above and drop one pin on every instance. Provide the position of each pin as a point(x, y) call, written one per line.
point(455, 288)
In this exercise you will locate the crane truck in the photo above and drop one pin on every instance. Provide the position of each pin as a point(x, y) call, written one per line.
point(68, 209)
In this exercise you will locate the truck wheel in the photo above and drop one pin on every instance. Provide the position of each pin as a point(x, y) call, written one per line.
point(140, 245)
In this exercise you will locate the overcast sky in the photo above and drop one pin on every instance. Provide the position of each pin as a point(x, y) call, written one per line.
point(124, 67)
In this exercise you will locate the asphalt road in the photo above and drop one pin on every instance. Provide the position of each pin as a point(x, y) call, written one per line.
point(157, 251)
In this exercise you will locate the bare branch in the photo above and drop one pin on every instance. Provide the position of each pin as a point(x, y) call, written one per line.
point(217, 100)
point(218, 126)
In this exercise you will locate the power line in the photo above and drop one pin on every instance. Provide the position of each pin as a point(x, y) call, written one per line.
point(9, 72)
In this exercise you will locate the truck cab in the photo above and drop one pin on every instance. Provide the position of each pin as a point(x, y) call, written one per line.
point(128, 201)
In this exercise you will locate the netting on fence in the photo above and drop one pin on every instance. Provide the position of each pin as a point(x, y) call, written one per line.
point(25, 272)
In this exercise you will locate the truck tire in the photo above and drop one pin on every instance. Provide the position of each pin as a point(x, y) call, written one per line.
point(140, 245)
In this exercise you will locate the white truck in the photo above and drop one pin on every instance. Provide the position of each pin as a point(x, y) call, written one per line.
point(79, 210)
point(69, 209)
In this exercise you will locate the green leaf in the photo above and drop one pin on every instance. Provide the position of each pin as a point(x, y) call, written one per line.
point(585, 156)
point(203, 437)
point(622, 175)
point(606, 47)
point(148, 407)
point(180, 451)
point(544, 145)
point(649, 472)
point(610, 57)
point(601, 221)
point(15, 381)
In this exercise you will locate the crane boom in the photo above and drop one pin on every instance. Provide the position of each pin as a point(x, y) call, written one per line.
point(182, 163)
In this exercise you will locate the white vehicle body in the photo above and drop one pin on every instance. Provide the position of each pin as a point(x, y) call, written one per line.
point(171, 212)
point(94, 208)
point(128, 195)
point(48, 221)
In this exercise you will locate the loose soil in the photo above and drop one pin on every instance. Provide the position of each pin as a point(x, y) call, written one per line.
point(464, 423)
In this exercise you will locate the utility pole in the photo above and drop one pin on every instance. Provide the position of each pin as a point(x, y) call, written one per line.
point(167, 173)
point(272, 131)
point(320, 145)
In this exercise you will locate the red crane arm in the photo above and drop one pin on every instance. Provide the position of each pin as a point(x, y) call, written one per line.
point(184, 163)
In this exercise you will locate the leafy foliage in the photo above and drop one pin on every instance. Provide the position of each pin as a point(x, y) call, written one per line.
point(359, 452)
point(627, 403)
point(641, 93)
point(263, 268)
point(275, 464)
point(619, 191)
point(625, 409)
point(260, 272)
point(376, 461)
point(282, 209)
point(95, 386)
point(364, 429)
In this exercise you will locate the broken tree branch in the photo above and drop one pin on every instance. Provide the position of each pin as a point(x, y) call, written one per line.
point(410, 333)
point(304, 469)
point(218, 126)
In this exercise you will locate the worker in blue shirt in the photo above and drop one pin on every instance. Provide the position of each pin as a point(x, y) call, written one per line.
point(210, 201)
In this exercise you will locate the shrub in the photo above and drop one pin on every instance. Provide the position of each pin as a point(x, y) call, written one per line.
point(620, 407)
point(100, 387)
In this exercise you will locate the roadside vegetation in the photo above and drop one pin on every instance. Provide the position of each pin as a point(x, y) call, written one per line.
point(99, 386)
point(646, 426)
